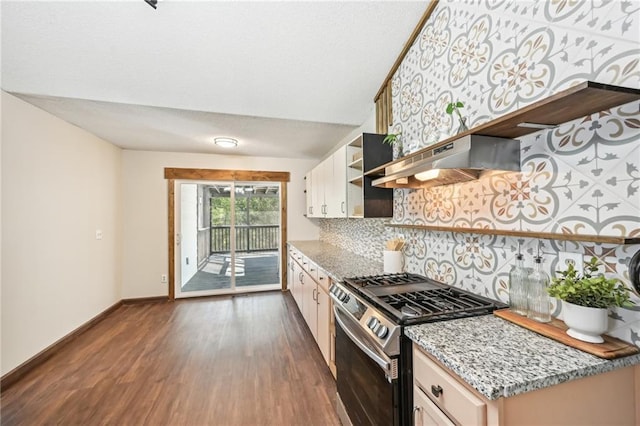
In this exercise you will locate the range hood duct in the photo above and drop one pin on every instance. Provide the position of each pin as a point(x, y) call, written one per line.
point(461, 160)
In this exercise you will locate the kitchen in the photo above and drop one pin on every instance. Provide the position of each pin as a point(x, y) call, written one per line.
point(471, 50)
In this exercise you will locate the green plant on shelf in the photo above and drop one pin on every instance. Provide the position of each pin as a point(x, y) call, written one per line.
point(394, 139)
point(454, 107)
point(591, 289)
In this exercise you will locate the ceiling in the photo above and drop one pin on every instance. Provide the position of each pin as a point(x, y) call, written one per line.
point(287, 79)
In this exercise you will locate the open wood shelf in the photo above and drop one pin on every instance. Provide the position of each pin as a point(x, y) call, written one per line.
point(578, 101)
point(525, 234)
point(356, 164)
point(356, 180)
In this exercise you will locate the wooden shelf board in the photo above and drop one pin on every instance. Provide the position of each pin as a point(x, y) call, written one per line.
point(556, 330)
point(525, 234)
point(356, 164)
point(356, 181)
point(357, 142)
point(578, 101)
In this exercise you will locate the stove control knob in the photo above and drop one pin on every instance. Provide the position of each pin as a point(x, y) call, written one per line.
point(373, 324)
point(382, 331)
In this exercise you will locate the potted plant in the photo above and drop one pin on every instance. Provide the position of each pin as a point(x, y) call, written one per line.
point(395, 139)
point(455, 107)
point(587, 298)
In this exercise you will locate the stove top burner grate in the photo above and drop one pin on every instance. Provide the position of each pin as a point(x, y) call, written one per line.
point(386, 279)
point(412, 299)
point(435, 302)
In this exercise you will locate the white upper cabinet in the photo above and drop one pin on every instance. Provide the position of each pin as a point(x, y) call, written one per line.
point(335, 195)
point(327, 191)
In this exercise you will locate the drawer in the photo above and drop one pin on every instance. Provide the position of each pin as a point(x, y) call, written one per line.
point(426, 412)
point(295, 254)
point(323, 279)
point(461, 405)
point(311, 268)
point(304, 262)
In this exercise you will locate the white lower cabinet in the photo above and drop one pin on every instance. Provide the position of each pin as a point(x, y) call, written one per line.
point(446, 395)
point(296, 284)
point(310, 290)
point(323, 321)
point(440, 397)
point(309, 305)
point(425, 412)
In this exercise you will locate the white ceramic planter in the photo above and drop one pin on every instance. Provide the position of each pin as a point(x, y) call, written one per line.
point(586, 324)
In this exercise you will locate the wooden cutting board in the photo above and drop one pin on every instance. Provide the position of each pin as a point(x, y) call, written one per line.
point(611, 348)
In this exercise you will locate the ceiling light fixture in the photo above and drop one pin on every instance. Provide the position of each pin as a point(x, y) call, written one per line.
point(226, 142)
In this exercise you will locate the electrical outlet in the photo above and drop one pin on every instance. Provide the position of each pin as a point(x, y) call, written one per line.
point(98, 234)
point(163, 278)
point(565, 258)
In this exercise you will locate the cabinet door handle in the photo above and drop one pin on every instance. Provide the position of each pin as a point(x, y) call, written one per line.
point(314, 295)
point(436, 390)
point(415, 410)
point(342, 207)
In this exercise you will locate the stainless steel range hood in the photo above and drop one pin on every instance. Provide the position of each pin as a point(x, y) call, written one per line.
point(455, 161)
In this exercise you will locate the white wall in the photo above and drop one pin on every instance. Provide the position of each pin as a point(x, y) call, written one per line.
point(59, 184)
point(188, 200)
point(369, 126)
point(145, 243)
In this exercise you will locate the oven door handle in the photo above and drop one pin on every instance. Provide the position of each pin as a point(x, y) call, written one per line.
point(384, 362)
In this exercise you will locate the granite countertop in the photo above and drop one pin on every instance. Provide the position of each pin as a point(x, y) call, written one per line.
point(337, 262)
point(501, 359)
point(494, 356)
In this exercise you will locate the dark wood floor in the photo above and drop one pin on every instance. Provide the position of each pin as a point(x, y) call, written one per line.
point(247, 360)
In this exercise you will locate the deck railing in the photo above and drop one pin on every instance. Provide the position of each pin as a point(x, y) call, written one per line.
point(248, 238)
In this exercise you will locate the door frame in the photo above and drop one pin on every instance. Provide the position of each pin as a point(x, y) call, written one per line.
point(171, 174)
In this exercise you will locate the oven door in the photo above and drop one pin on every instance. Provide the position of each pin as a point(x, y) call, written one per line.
point(367, 381)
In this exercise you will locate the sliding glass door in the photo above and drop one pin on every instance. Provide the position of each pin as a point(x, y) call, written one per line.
point(229, 237)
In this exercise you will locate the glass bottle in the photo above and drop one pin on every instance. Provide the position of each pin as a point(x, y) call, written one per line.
point(538, 298)
point(518, 287)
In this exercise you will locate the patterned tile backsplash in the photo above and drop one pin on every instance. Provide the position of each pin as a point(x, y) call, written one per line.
point(365, 237)
point(582, 177)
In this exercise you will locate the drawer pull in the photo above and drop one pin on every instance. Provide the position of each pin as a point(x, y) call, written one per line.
point(436, 390)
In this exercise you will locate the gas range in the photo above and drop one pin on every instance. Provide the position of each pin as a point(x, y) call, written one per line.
point(373, 357)
point(383, 304)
